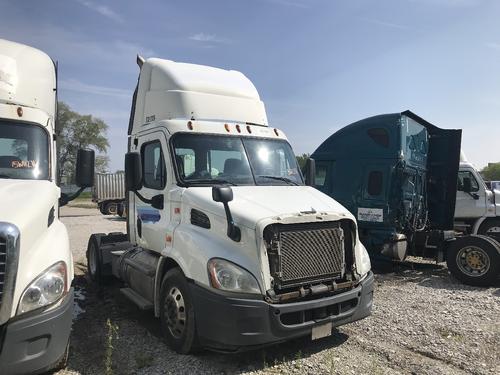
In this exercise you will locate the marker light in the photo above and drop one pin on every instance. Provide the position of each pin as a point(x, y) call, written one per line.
point(190, 125)
point(20, 111)
point(249, 129)
point(238, 128)
point(226, 126)
point(276, 132)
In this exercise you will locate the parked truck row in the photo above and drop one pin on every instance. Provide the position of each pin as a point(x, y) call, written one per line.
point(228, 243)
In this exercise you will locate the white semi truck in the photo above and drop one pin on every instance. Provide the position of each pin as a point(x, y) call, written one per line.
point(477, 208)
point(36, 265)
point(225, 243)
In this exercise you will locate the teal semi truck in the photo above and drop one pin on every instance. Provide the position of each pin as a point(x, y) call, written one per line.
point(397, 173)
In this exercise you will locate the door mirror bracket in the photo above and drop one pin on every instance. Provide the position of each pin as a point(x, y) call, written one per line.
point(224, 194)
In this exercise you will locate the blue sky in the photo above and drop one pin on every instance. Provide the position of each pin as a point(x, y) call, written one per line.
point(318, 64)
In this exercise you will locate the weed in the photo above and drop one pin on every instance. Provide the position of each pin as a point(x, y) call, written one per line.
point(108, 360)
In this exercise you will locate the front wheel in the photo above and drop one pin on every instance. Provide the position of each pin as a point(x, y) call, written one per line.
point(490, 228)
point(94, 261)
point(177, 313)
point(474, 260)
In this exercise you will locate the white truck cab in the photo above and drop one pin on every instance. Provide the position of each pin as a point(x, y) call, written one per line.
point(477, 209)
point(224, 241)
point(36, 265)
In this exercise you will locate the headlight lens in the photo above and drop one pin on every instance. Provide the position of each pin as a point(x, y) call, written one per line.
point(363, 263)
point(47, 288)
point(227, 276)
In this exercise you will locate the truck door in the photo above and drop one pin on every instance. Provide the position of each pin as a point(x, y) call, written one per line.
point(151, 222)
point(470, 204)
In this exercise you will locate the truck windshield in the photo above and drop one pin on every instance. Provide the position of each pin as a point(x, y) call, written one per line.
point(213, 159)
point(23, 151)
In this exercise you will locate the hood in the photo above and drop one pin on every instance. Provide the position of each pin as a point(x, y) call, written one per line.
point(26, 204)
point(252, 204)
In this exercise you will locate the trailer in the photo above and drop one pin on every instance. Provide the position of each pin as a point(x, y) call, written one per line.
point(109, 193)
point(398, 174)
point(225, 244)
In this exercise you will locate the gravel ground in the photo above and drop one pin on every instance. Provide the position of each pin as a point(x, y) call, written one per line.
point(423, 322)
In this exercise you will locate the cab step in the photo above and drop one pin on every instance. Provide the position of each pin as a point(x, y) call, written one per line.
point(136, 298)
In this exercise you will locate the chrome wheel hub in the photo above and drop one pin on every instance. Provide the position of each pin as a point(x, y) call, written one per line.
point(175, 310)
point(473, 261)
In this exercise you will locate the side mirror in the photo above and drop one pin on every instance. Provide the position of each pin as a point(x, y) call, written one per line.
point(222, 194)
point(310, 172)
point(467, 185)
point(85, 160)
point(133, 171)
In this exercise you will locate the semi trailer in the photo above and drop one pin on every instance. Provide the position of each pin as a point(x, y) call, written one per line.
point(109, 193)
point(397, 173)
point(224, 243)
point(36, 264)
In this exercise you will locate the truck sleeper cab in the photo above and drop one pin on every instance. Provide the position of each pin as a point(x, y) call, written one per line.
point(224, 242)
point(401, 183)
point(36, 264)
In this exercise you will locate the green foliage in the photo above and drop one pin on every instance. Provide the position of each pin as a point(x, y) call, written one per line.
point(112, 334)
point(491, 172)
point(301, 159)
point(76, 131)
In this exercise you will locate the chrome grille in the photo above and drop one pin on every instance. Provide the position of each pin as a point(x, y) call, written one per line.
point(3, 265)
point(306, 253)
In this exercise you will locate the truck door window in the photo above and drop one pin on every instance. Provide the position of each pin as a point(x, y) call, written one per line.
point(375, 183)
point(153, 166)
point(469, 175)
point(321, 173)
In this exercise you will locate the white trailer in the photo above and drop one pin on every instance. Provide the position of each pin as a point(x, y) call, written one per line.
point(36, 265)
point(225, 243)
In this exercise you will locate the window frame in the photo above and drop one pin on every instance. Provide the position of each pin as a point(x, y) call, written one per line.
point(473, 179)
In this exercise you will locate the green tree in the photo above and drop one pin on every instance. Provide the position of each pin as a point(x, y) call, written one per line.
point(491, 172)
point(76, 131)
point(301, 159)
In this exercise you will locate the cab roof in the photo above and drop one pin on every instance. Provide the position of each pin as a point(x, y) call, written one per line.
point(170, 90)
point(27, 77)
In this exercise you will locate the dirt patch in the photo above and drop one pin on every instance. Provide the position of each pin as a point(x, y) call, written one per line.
point(423, 322)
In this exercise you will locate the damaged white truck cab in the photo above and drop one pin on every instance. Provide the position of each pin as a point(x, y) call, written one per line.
point(225, 243)
point(36, 265)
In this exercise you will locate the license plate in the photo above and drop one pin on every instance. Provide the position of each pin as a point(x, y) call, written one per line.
point(321, 331)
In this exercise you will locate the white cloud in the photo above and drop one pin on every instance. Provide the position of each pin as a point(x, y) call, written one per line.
point(103, 10)
point(208, 38)
point(493, 45)
point(78, 86)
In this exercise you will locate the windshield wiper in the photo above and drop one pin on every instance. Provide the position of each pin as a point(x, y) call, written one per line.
point(216, 181)
point(285, 179)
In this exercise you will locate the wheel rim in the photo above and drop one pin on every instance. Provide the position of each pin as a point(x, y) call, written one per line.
point(493, 230)
point(473, 261)
point(175, 309)
point(92, 260)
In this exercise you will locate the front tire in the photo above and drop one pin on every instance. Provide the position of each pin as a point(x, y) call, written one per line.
point(474, 260)
point(94, 258)
point(177, 313)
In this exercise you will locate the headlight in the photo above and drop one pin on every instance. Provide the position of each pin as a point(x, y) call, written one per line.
point(47, 288)
point(363, 263)
point(225, 275)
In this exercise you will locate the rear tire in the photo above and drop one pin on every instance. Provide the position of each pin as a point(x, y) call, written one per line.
point(177, 313)
point(474, 260)
point(110, 208)
point(94, 258)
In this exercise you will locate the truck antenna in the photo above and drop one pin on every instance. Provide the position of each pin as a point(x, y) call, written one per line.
point(140, 60)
